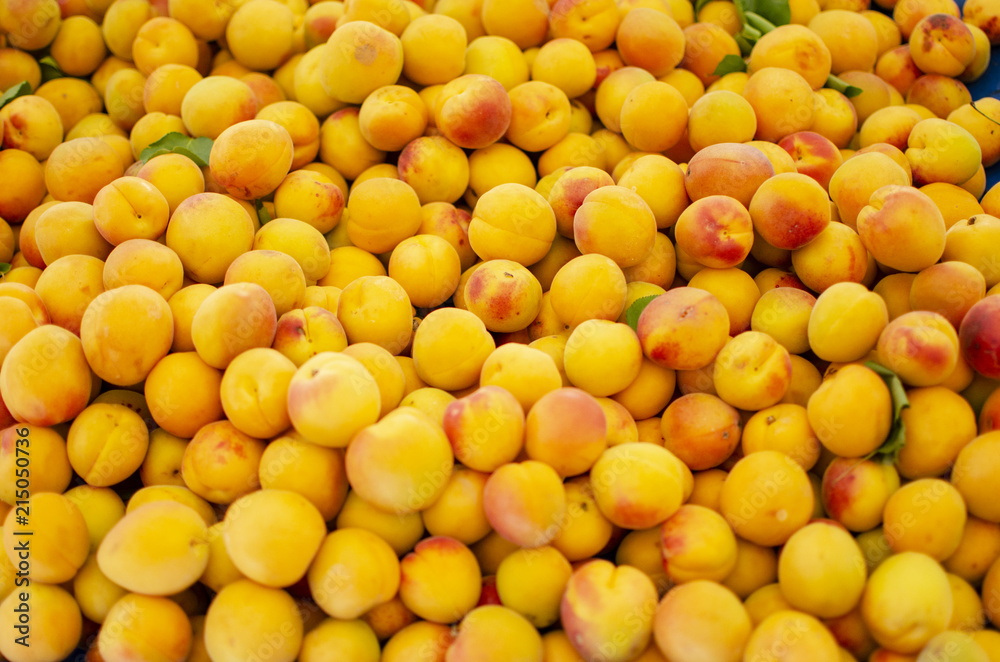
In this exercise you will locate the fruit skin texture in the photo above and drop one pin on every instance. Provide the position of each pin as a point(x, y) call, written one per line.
point(701, 620)
point(979, 337)
point(607, 611)
point(697, 544)
point(851, 413)
point(908, 601)
point(493, 633)
point(902, 228)
point(353, 571)
point(811, 640)
point(158, 549)
point(245, 616)
point(56, 623)
point(767, 497)
point(58, 390)
point(683, 329)
point(838, 588)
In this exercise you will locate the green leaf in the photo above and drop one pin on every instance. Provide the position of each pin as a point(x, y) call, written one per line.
point(897, 433)
point(730, 64)
point(845, 88)
point(196, 149)
point(759, 23)
point(775, 12)
point(19, 90)
point(743, 6)
point(262, 214)
point(635, 310)
point(4, 268)
point(50, 69)
point(746, 46)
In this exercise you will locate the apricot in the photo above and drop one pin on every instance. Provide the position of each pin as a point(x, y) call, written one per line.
point(941, 44)
point(946, 517)
point(397, 488)
point(125, 631)
point(595, 345)
point(933, 140)
point(587, 287)
point(752, 371)
point(834, 549)
point(525, 503)
point(698, 544)
point(79, 168)
point(421, 588)
point(208, 231)
point(59, 542)
point(217, 339)
point(183, 394)
point(458, 513)
point(450, 347)
point(683, 343)
point(638, 486)
point(28, 386)
point(492, 633)
point(204, 115)
point(833, 412)
point(68, 228)
point(853, 305)
point(56, 622)
point(526, 372)
point(812, 640)
point(973, 465)
point(782, 100)
point(920, 346)
point(906, 626)
point(705, 125)
point(651, 131)
point(701, 430)
point(130, 208)
point(473, 93)
point(504, 295)
point(783, 313)
point(125, 354)
point(854, 492)
point(250, 159)
point(47, 447)
point(220, 463)
point(512, 222)
point(715, 231)
point(17, 201)
point(253, 547)
point(766, 497)
point(31, 124)
point(245, 617)
point(559, 56)
point(485, 428)
point(603, 605)
point(254, 392)
point(880, 227)
point(686, 623)
point(376, 309)
point(350, 383)
point(160, 548)
point(730, 169)
point(569, 446)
